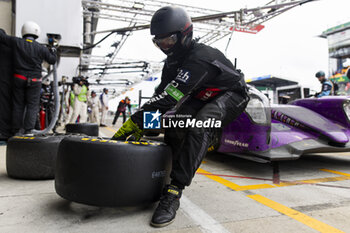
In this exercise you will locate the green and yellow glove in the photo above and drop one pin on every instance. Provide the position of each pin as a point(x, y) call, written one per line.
point(128, 128)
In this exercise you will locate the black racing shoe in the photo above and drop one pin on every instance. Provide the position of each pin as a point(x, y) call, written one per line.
point(167, 207)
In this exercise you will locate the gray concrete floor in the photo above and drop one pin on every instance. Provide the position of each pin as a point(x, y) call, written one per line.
point(223, 201)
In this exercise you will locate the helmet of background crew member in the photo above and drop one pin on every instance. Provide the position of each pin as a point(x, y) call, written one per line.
point(320, 74)
point(30, 28)
point(167, 22)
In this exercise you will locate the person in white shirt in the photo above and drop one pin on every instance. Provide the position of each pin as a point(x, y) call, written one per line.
point(95, 106)
point(104, 106)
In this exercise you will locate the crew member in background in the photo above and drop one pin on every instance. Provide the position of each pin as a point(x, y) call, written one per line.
point(95, 105)
point(327, 86)
point(70, 103)
point(197, 81)
point(80, 101)
point(104, 106)
point(27, 58)
point(122, 109)
point(6, 82)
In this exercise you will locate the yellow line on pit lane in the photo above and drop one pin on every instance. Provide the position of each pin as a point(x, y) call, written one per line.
point(237, 187)
point(232, 185)
point(336, 172)
point(311, 222)
point(303, 218)
point(313, 181)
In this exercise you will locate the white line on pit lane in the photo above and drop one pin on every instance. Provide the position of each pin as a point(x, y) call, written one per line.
point(205, 222)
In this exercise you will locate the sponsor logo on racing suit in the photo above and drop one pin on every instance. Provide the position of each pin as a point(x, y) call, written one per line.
point(183, 76)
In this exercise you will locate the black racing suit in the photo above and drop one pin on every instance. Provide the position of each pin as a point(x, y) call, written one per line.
point(27, 58)
point(6, 81)
point(203, 84)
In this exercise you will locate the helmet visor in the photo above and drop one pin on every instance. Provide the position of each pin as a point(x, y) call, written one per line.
point(165, 43)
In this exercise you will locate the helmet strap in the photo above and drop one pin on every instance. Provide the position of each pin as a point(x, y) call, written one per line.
point(186, 40)
point(186, 36)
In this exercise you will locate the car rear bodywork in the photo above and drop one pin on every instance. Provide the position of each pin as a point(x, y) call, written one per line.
point(285, 132)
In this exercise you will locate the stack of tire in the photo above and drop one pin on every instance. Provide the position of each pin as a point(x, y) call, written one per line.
point(92, 170)
point(34, 157)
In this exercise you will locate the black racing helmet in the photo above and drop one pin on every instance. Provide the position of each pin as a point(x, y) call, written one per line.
point(320, 74)
point(170, 20)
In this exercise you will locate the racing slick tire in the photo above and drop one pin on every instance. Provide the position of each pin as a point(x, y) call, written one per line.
point(109, 173)
point(32, 157)
point(90, 129)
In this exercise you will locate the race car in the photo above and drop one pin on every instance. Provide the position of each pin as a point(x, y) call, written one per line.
point(267, 133)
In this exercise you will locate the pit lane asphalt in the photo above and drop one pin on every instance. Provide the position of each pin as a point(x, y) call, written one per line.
point(222, 198)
